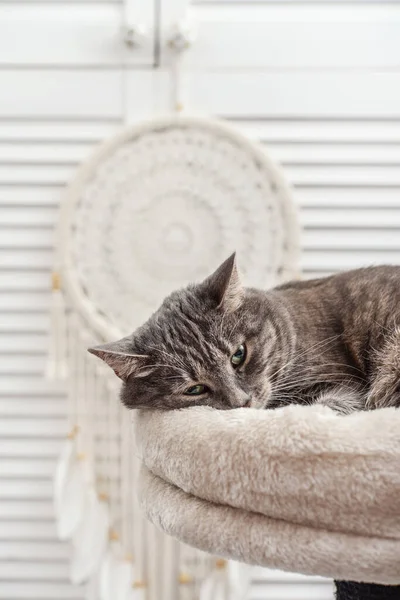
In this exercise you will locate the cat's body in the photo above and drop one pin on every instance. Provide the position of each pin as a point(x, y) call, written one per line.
point(219, 344)
point(346, 325)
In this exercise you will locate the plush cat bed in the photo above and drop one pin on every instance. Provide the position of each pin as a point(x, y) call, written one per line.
point(299, 488)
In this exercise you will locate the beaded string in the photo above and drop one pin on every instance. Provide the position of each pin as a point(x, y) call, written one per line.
point(139, 530)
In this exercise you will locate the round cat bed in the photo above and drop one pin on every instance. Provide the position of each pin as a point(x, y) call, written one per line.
point(298, 488)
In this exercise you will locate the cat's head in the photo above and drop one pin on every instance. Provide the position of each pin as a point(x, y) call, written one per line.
point(215, 343)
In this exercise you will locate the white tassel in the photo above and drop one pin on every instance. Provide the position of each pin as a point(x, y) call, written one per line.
point(56, 367)
point(215, 586)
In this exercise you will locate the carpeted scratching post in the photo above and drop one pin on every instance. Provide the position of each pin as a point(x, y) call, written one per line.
point(299, 489)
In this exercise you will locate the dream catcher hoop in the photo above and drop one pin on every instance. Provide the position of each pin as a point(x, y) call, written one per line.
point(156, 207)
point(164, 203)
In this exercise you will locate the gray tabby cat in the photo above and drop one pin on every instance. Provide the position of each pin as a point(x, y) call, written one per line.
point(333, 341)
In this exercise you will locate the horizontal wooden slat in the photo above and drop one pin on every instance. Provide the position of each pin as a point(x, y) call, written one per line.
point(25, 323)
point(36, 448)
point(85, 35)
point(27, 196)
point(304, 37)
point(48, 447)
point(32, 490)
point(368, 240)
point(58, 131)
point(24, 365)
point(25, 302)
point(27, 467)
point(51, 552)
point(35, 387)
point(33, 571)
point(342, 261)
point(33, 428)
point(38, 238)
point(27, 530)
point(27, 281)
point(319, 131)
point(33, 407)
point(334, 154)
point(26, 258)
point(40, 468)
point(347, 197)
point(41, 217)
point(350, 218)
point(245, 94)
point(343, 175)
point(27, 511)
point(36, 153)
point(42, 590)
point(36, 174)
point(23, 343)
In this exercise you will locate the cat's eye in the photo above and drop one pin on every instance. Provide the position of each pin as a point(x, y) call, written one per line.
point(197, 390)
point(239, 356)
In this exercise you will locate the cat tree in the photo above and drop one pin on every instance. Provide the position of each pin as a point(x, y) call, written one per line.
point(298, 488)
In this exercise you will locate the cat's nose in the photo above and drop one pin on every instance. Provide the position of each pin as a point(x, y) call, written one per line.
point(245, 401)
point(239, 400)
point(248, 402)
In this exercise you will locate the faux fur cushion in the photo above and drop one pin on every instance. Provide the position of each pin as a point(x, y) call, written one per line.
point(298, 488)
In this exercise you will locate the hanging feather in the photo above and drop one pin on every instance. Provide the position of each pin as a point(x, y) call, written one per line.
point(215, 586)
point(239, 576)
point(56, 367)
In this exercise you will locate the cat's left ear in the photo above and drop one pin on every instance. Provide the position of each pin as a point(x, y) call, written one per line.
point(120, 357)
point(225, 285)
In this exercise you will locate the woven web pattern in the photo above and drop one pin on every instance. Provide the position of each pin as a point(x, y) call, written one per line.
point(166, 206)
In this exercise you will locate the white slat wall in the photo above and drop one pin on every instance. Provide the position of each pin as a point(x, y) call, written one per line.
point(63, 67)
point(317, 82)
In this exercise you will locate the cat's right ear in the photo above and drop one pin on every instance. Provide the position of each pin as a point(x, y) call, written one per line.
point(119, 356)
point(224, 285)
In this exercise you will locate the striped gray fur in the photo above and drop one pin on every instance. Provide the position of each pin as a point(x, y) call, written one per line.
point(333, 341)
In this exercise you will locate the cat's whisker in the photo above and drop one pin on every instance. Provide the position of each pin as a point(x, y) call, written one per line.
point(238, 322)
point(319, 378)
point(335, 364)
point(318, 346)
point(323, 344)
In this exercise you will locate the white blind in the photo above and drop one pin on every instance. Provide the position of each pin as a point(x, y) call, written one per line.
point(317, 82)
point(62, 91)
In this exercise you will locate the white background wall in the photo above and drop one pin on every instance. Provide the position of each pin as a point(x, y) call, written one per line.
point(317, 82)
